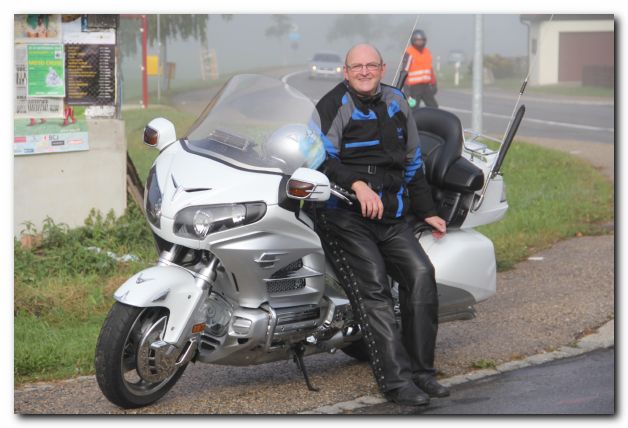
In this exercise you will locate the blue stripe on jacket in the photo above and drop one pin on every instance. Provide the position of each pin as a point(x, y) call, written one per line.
point(358, 115)
point(416, 163)
point(400, 201)
point(362, 144)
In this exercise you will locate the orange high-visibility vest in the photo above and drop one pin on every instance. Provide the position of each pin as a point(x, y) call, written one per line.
point(419, 67)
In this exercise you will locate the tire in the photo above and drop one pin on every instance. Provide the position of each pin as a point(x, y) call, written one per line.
point(357, 350)
point(116, 353)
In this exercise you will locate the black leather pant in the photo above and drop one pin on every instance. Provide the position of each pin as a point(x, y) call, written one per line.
point(373, 250)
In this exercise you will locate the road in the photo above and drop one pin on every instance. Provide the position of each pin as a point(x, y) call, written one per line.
point(580, 385)
point(516, 322)
point(547, 117)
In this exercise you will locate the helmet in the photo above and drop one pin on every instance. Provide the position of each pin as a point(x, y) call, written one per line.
point(294, 146)
point(418, 34)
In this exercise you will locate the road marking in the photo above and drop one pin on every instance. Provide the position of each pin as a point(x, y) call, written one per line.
point(285, 78)
point(540, 121)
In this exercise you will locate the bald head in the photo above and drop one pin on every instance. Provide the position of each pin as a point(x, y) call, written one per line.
point(364, 68)
point(362, 50)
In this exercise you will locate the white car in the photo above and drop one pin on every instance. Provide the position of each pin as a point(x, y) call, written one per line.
point(325, 64)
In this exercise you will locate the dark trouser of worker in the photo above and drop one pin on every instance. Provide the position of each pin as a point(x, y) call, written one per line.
point(372, 250)
point(424, 92)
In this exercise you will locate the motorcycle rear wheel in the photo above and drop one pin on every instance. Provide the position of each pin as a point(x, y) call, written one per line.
point(116, 357)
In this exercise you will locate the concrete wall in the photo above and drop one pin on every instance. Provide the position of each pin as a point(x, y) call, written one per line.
point(66, 186)
point(547, 35)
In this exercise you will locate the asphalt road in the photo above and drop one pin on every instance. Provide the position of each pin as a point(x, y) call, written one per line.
point(556, 117)
point(580, 385)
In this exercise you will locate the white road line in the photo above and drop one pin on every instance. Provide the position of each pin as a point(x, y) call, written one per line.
point(285, 78)
point(540, 121)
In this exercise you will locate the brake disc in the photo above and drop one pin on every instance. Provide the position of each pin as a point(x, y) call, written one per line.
point(156, 360)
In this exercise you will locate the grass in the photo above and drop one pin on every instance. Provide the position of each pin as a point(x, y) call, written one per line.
point(62, 290)
point(552, 196)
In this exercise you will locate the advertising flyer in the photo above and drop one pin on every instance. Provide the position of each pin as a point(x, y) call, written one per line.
point(45, 70)
point(31, 107)
point(90, 74)
point(37, 28)
point(51, 135)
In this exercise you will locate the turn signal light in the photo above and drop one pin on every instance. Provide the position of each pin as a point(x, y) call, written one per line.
point(150, 137)
point(299, 189)
point(197, 328)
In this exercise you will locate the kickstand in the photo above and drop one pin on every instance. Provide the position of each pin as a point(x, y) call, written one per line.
point(298, 351)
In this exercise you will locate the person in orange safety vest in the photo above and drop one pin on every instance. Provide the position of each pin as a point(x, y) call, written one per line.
point(421, 81)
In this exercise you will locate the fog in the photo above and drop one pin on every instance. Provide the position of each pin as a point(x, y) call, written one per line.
point(241, 44)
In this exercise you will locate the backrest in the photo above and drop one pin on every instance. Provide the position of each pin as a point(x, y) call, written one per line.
point(441, 141)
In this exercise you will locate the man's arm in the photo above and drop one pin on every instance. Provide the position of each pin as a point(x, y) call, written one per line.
point(331, 134)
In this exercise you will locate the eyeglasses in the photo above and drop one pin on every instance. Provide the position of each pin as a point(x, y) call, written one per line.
point(356, 68)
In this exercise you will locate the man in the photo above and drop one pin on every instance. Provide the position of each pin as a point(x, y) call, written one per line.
point(421, 80)
point(373, 149)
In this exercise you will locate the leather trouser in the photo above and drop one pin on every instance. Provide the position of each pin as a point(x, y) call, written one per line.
point(374, 249)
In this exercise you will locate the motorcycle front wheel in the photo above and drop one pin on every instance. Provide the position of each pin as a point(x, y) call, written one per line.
point(119, 352)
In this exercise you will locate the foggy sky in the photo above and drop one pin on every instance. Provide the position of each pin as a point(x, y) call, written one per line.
point(241, 44)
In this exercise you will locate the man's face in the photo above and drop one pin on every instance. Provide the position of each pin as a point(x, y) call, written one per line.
point(364, 70)
point(418, 43)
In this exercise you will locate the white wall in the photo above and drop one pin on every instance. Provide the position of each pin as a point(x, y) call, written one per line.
point(66, 186)
point(548, 36)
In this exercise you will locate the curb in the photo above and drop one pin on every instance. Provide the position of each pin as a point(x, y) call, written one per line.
point(604, 337)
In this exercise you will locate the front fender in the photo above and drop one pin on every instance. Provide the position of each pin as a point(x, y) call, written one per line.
point(170, 287)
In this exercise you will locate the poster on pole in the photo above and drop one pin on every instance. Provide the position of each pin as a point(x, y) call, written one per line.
point(45, 70)
point(90, 74)
point(31, 107)
point(37, 28)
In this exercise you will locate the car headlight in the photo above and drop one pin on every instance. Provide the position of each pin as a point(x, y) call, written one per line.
point(338, 69)
point(152, 198)
point(197, 222)
point(314, 67)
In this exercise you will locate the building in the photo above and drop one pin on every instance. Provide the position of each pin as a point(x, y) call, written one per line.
point(577, 49)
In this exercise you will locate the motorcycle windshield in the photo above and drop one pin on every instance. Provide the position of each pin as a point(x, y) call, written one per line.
point(259, 123)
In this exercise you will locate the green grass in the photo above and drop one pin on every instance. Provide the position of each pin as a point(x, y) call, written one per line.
point(63, 291)
point(552, 196)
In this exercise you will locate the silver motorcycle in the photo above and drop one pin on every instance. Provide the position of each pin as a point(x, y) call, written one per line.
point(243, 276)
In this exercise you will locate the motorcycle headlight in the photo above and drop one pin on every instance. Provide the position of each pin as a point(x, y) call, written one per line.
point(197, 222)
point(152, 198)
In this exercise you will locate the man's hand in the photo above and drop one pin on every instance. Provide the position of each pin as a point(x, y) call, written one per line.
point(438, 224)
point(370, 203)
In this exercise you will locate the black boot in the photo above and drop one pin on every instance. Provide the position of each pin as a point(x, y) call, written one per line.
point(408, 395)
point(430, 385)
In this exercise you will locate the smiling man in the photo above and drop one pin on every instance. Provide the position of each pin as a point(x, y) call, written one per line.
point(373, 148)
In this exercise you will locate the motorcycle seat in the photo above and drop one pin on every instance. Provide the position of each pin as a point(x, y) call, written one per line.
point(442, 141)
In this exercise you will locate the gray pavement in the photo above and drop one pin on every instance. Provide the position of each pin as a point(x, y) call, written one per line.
point(584, 385)
point(540, 305)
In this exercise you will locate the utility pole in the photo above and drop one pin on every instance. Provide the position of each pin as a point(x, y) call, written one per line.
point(478, 76)
point(159, 68)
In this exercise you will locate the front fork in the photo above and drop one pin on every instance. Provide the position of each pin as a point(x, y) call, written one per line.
point(184, 350)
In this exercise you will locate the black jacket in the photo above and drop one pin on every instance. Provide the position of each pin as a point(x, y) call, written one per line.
point(375, 140)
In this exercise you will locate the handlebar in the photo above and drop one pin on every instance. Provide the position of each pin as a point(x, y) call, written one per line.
point(342, 194)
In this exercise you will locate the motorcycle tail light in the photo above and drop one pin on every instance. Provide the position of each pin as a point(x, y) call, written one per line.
point(299, 189)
